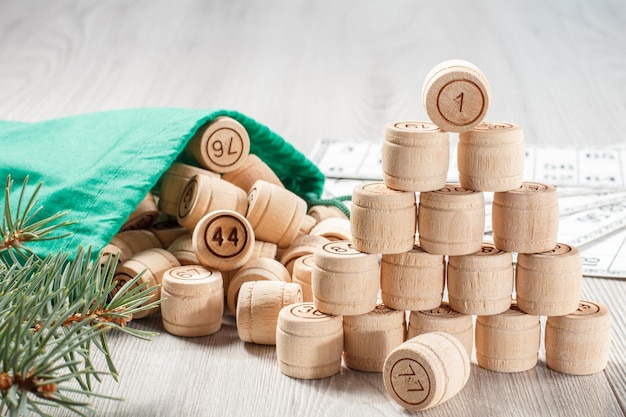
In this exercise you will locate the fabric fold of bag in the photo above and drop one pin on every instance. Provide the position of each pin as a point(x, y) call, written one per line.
point(99, 166)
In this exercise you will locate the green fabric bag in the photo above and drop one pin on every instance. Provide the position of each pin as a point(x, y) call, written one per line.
point(101, 165)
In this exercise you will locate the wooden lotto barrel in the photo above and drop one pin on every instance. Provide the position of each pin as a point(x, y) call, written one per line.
point(258, 306)
point(549, 283)
point(455, 95)
point(249, 172)
point(426, 370)
point(490, 157)
point(308, 223)
point(309, 343)
point(415, 156)
point(264, 250)
point(412, 280)
point(192, 301)
point(320, 213)
point(526, 220)
point(382, 220)
point(204, 194)
point(173, 183)
point(508, 342)
point(481, 283)
point(333, 228)
point(451, 221)
point(369, 338)
point(152, 264)
point(144, 215)
point(275, 213)
point(220, 146)
point(443, 319)
point(223, 240)
point(183, 249)
point(258, 269)
point(167, 231)
point(301, 246)
point(126, 244)
point(261, 250)
point(344, 281)
point(302, 270)
point(579, 343)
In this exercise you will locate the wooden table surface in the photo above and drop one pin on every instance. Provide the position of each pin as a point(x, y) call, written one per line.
point(309, 70)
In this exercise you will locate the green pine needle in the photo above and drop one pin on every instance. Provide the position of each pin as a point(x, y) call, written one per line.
point(19, 227)
point(53, 311)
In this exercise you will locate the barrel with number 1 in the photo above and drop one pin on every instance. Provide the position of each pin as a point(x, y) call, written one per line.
point(223, 240)
point(456, 95)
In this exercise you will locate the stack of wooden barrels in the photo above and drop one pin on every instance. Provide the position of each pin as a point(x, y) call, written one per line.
point(482, 280)
point(327, 290)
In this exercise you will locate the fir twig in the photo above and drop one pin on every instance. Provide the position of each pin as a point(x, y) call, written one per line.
point(19, 227)
point(52, 311)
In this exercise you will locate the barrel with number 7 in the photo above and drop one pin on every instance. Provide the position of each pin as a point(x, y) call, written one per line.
point(223, 240)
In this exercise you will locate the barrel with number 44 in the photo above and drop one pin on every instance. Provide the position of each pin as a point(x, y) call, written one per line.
point(223, 240)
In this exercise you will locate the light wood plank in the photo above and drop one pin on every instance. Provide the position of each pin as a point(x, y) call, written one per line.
point(220, 374)
point(312, 70)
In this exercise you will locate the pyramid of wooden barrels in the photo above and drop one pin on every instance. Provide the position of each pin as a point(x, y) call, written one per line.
point(327, 290)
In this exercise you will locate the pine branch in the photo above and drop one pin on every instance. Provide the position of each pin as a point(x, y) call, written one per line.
point(52, 312)
point(19, 227)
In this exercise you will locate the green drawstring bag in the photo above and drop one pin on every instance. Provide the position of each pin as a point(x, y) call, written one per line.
point(99, 166)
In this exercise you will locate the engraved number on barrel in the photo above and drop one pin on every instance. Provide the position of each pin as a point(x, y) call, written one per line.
point(121, 279)
point(410, 374)
point(225, 147)
point(225, 236)
point(486, 249)
point(341, 248)
point(219, 238)
point(442, 310)
point(307, 311)
point(459, 100)
point(586, 308)
point(187, 198)
point(191, 272)
point(416, 126)
point(218, 148)
point(458, 108)
point(410, 381)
